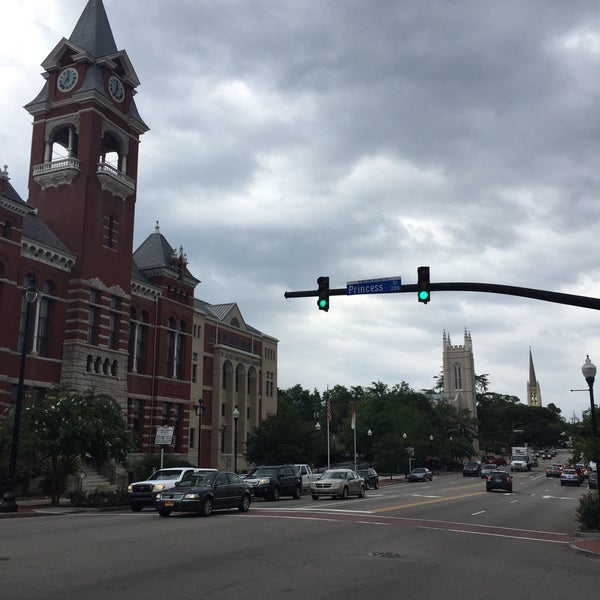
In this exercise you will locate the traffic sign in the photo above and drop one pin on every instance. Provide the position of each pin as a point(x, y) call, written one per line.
point(164, 436)
point(387, 285)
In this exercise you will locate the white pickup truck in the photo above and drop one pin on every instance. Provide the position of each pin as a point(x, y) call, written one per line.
point(307, 475)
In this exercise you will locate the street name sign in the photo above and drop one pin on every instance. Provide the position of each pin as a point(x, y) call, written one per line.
point(387, 285)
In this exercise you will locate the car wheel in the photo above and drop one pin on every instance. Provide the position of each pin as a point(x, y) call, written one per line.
point(275, 494)
point(488, 489)
point(376, 485)
point(361, 493)
point(207, 506)
point(510, 490)
point(344, 495)
point(367, 486)
point(562, 483)
point(136, 507)
point(315, 497)
point(245, 504)
point(164, 512)
point(298, 493)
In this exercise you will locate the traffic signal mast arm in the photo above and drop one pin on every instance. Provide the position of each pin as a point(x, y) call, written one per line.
point(490, 288)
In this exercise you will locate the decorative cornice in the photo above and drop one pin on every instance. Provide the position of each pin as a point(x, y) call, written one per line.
point(49, 256)
point(144, 291)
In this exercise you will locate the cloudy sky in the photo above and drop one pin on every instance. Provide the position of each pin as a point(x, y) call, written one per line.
point(360, 139)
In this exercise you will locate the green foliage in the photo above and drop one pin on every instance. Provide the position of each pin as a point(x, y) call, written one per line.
point(59, 430)
point(588, 511)
point(98, 498)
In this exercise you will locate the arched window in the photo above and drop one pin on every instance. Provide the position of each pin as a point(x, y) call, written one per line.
point(45, 314)
point(457, 377)
point(111, 233)
point(171, 345)
point(7, 229)
point(64, 143)
point(180, 351)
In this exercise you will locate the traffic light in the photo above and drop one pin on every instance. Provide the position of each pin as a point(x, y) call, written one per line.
point(423, 288)
point(323, 301)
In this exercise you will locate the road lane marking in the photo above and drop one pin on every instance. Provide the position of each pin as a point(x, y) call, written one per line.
point(477, 513)
point(423, 502)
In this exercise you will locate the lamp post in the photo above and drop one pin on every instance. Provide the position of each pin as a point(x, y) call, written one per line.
point(9, 503)
point(589, 373)
point(370, 435)
point(236, 416)
point(199, 410)
point(404, 436)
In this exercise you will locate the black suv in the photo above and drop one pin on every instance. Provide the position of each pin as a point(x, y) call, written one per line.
point(370, 476)
point(471, 469)
point(273, 481)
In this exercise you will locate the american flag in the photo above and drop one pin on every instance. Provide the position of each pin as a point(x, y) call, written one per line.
point(328, 405)
point(353, 422)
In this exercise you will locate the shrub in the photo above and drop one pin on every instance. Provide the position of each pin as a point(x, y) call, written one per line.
point(98, 498)
point(588, 511)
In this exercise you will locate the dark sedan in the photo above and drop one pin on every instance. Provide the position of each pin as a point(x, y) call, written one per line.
point(570, 477)
point(204, 493)
point(370, 476)
point(553, 471)
point(499, 480)
point(420, 474)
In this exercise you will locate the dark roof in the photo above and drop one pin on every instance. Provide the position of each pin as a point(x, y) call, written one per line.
point(93, 32)
point(36, 230)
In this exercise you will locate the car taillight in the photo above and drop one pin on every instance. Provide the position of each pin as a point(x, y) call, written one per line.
point(489, 477)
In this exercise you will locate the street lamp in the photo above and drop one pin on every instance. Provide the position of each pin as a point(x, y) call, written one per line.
point(589, 373)
point(9, 503)
point(199, 410)
point(404, 436)
point(431, 451)
point(318, 426)
point(370, 434)
point(236, 416)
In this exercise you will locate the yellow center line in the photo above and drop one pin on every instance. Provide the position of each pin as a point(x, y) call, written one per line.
point(428, 501)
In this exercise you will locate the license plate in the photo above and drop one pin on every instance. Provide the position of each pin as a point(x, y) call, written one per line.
point(169, 503)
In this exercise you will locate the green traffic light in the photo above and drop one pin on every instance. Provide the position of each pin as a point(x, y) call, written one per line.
point(423, 295)
point(322, 303)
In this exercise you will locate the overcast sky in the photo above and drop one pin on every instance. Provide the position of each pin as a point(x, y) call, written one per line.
point(360, 139)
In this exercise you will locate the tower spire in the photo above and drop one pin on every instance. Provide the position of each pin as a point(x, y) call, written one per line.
point(92, 32)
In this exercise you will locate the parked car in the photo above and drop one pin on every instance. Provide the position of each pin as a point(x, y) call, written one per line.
point(204, 493)
point(593, 480)
point(471, 469)
point(499, 480)
point(338, 483)
point(553, 471)
point(487, 469)
point(143, 493)
point(370, 476)
point(273, 481)
point(420, 474)
point(570, 477)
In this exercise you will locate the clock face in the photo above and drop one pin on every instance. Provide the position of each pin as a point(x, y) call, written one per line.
point(67, 79)
point(115, 88)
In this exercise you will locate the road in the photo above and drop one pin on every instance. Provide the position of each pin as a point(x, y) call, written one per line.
point(408, 540)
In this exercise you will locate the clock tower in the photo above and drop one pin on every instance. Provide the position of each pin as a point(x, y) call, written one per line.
point(82, 182)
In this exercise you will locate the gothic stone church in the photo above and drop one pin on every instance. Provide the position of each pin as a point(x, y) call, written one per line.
point(123, 323)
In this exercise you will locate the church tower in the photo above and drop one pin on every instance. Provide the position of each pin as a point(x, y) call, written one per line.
point(82, 184)
point(459, 373)
point(534, 394)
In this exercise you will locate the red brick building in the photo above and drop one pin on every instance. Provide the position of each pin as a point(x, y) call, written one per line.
point(121, 322)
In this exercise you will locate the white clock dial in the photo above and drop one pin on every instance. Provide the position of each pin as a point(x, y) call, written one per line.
point(67, 79)
point(115, 88)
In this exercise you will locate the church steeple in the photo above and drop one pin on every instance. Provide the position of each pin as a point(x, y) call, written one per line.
point(534, 394)
point(92, 32)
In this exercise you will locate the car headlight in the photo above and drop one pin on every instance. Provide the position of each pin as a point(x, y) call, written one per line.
point(130, 488)
point(192, 497)
point(264, 481)
point(159, 487)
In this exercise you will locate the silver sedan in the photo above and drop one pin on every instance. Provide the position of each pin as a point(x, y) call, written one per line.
point(338, 483)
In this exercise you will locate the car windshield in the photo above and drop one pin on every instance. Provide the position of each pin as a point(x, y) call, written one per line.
point(165, 475)
point(265, 472)
point(202, 479)
point(335, 475)
point(418, 470)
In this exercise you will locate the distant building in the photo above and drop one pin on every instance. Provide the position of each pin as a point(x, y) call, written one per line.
point(459, 373)
point(534, 394)
point(121, 322)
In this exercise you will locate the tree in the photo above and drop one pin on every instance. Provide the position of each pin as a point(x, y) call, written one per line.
point(63, 428)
